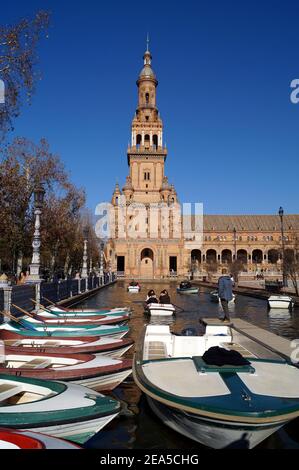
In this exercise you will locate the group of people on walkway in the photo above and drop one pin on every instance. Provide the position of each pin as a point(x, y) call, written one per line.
point(163, 297)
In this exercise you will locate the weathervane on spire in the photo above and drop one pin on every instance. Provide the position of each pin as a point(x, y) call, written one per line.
point(147, 42)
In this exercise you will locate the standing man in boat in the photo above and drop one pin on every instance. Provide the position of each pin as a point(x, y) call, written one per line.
point(225, 292)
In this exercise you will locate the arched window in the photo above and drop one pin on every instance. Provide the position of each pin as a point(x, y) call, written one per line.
point(155, 140)
point(147, 98)
point(146, 141)
point(138, 139)
point(242, 256)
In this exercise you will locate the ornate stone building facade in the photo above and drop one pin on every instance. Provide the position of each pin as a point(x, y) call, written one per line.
point(148, 241)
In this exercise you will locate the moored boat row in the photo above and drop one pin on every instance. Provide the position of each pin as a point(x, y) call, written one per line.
point(54, 366)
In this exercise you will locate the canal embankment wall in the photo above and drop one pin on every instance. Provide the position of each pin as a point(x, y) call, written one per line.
point(256, 292)
point(65, 293)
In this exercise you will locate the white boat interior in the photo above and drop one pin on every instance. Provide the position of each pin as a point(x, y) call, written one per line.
point(159, 342)
point(8, 445)
point(15, 393)
point(187, 375)
point(29, 397)
point(71, 311)
point(23, 361)
point(65, 320)
point(56, 343)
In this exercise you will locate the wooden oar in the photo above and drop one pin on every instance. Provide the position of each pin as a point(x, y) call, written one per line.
point(56, 305)
point(21, 320)
point(42, 306)
point(69, 309)
point(55, 314)
point(9, 315)
point(29, 314)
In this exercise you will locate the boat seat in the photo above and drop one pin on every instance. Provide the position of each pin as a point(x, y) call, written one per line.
point(12, 342)
point(239, 348)
point(36, 364)
point(156, 350)
point(9, 390)
point(202, 366)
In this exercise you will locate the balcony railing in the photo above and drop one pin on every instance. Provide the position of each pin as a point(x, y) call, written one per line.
point(151, 148)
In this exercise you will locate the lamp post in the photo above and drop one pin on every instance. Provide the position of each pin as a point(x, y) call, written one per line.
point(34, 268)
point(284, 277)
point(235, 243)
point(84, 273)
point(101, 261)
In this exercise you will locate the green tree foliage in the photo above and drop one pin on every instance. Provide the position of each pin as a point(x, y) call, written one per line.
point(23, 165)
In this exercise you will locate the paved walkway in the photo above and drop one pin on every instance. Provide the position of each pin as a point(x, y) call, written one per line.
point(248, 291)
point(268, 344)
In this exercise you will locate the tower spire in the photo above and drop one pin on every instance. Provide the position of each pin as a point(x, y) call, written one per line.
point(147, 42)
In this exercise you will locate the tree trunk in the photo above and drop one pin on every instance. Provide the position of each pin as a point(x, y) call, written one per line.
point(66, 263)
point(52, 264)
point(70, 270)
point(295, 284)
point(19, 263)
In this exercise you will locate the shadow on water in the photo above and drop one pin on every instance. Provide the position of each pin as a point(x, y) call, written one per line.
point(137, 426)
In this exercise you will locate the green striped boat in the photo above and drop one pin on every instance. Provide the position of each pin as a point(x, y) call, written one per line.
point(24, 328)
point(59, 409)
point(218, 406)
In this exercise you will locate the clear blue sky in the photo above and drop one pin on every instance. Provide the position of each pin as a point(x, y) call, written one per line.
point(224, 71)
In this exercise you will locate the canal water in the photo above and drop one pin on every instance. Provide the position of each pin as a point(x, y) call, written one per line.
point(137, 427)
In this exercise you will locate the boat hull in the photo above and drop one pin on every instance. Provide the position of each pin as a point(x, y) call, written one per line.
point(78, 321)
point(72, 345)
point(66, 410)
point(85, 312)
point(193, 290)
point(133, 289)
point(105, 383)
point(275, 304)
point(21, 440)
point(218, 405)
point(111, 331)
point(79, 432)
point(161, 310)
point(92, 371)
point(212, 433)
point(280, 301)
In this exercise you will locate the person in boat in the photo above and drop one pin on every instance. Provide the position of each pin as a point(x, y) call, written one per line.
point(151, 297)
point(185, 285)
point(225, 292)
point(164, 297)
point(134, 283)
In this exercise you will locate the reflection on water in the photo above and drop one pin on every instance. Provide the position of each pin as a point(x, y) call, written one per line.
point(138, 427)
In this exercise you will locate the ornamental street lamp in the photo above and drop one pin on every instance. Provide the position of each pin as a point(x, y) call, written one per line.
point(34, 268)
point(284, 276)
point(84, 273)
point(235, 243)
point(101, 259)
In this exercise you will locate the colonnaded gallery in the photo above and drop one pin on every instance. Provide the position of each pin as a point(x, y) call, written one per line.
point(156, 246)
